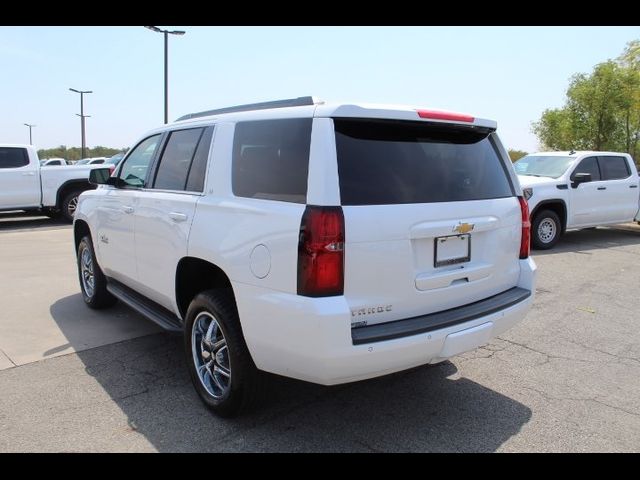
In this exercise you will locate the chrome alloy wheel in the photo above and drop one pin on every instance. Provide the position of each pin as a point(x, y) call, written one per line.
point(211, 355)
point(72, 206)
point(547, 230)
point(86, 271)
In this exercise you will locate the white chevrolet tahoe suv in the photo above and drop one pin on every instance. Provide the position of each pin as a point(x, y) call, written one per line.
point(329, 243)
point(572, 190)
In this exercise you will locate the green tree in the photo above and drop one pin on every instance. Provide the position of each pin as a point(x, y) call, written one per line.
point(516, 154)
point(602, 109)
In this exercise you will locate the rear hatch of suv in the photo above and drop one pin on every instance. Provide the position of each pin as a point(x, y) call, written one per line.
point(432, 221)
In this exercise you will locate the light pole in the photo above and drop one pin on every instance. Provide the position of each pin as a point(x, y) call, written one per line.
point(30, 127)
point(82, 117)
point(166, 61)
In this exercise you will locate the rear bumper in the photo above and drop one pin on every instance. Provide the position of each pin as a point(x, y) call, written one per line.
point(311, 338)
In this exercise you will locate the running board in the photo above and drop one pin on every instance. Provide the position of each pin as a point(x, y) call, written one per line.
point(144, 306)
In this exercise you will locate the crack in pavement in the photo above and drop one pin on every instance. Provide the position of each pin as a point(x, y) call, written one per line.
point(550, 398)
point(8, 358)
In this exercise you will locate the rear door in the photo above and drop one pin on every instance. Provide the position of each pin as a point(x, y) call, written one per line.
point(19, 180)
point(620, 194)
point(165, 211)
point(431, 217)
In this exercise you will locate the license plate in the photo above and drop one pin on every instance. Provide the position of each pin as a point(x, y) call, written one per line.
point(451, 250)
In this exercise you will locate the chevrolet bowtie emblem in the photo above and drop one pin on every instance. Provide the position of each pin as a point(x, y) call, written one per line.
point(463, 228)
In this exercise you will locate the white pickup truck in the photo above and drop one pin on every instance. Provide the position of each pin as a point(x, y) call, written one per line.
point(573, 190)
point(25, 185)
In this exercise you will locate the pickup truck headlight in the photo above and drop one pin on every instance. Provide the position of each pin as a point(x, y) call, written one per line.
point(527, 192)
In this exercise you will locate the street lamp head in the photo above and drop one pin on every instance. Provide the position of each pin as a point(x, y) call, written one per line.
point(80, 91)
point(155, 29)
point(177, 32)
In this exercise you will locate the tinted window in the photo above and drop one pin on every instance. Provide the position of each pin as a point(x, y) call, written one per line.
point(176, 159)
point(383, 162)
point(588, 165)
point(195, 183)
point(271, 159)
point(11, 157)
point(134, 170)
point(614, 168)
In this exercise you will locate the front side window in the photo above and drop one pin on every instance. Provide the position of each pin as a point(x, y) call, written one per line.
point(135, 168)
point(614, 168)
point(271, 159)
point(13, 157)
point(176, 159)
point(588, 165)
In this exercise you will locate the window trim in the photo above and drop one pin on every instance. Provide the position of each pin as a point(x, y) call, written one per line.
point(25, 156)
point(575, 169)
point(626, 165)
point(119, 182)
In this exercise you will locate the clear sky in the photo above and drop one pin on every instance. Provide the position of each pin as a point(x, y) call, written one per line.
point(509, 74)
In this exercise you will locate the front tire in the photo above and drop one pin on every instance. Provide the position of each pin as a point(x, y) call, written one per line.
point(69, 204)
point(545, 230)
point(219, 363)
point(93, 283)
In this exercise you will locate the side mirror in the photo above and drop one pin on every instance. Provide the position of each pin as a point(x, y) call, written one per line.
point(101, 176)
point(579, 178)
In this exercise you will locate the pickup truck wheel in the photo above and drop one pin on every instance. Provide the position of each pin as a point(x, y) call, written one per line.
point(219, 363)
point(545, 230)
point(93, 283)
point(69, 204)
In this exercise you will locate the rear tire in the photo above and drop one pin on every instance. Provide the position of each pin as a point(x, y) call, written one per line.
point(93, 283)
point(219, 362)
point(69, 204)
point(545, 230)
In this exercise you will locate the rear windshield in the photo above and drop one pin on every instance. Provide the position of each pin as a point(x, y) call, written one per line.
point(384, 162)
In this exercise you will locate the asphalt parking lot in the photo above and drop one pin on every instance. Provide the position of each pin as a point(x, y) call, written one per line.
point(567, 379)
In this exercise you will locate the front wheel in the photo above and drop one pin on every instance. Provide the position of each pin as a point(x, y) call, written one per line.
point(219, 363)
point(545, 230)
point(93, 283)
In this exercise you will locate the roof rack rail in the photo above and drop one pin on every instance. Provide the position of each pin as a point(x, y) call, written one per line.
point(289, 102)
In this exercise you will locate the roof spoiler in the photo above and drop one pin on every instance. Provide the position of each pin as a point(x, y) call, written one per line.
point(289, 102)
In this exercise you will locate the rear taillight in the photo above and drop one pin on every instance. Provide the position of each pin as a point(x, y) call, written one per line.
point(526, 228)
point(321, 252)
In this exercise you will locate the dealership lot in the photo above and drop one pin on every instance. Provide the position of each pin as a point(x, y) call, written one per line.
point(566, 379)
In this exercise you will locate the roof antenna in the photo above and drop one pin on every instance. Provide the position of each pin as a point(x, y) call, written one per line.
point(572, 152)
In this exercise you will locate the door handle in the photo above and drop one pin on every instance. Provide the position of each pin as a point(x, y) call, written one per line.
point(633, 186)
point(29, 174)
point(177, 216)
point(127, 209)
point(602, 188)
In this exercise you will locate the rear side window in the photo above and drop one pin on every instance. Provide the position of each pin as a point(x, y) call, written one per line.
point(587, 165)
point(271, 159)
point(383, 162)
point(12, 157)
point(176, 159)
point(195, 182)
point(614, 168)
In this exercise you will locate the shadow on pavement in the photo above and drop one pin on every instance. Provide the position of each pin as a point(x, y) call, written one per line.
point(427, 409)
point(582, 241)
point(13, 221)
